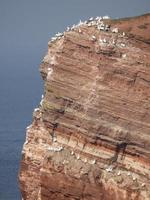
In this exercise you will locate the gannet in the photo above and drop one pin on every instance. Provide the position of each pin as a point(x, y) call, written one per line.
point(115, 30)
point(106, 17)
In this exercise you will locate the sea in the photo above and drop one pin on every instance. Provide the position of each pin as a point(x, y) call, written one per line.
point(21, 88)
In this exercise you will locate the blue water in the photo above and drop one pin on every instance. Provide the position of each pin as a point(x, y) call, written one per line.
point(20, 92)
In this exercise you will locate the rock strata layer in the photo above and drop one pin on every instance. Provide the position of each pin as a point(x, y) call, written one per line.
point(90, 135)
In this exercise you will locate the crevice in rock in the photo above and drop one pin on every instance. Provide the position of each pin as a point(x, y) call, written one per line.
point(120, 148)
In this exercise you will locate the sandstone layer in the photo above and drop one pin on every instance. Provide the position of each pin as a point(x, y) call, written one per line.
point(90, 135)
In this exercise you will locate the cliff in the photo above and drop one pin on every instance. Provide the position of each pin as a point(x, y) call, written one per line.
point(90, 136)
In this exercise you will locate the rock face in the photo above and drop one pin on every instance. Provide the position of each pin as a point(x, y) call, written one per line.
point(90, 136)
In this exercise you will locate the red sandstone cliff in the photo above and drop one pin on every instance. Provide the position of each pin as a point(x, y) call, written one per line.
point(90, 136)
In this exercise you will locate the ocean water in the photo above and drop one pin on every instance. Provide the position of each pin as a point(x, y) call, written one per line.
point(20, 93)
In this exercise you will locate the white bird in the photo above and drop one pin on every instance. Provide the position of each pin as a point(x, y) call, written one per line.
point(107, 27)
point(73, 27)
point(124, 55)
point(49, 73)
point(93, 23)
point(68, 28)
point(60, 148)
point(93, 162)
point(115, 30)
point(113, 41)
point(41, 102)
point(101, 27)
point(55, 139)
point(106, 17)
point(53, 39)
point(89, 25)
point(129, 174)
point(91, 19)
point(104, 40)
point(122, 44)
point(26, 142)
point(100, 40)
point(78, 157)
point(143, 184)
point(80, 23)
point(28, 127)
point(97, 18)
point(59, 34)
point(134, 178)
point(109, 169)
point(93, 37)
point(119, 173)
point(36, 109)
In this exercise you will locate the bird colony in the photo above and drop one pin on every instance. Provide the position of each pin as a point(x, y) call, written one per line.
point(97, 22)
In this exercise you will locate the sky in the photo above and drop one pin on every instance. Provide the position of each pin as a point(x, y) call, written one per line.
point(26, 26)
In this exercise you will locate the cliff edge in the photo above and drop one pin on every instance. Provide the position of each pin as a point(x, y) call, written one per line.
point(90, 136)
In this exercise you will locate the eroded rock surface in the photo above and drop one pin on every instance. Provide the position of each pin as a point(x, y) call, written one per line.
point(90, 136)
